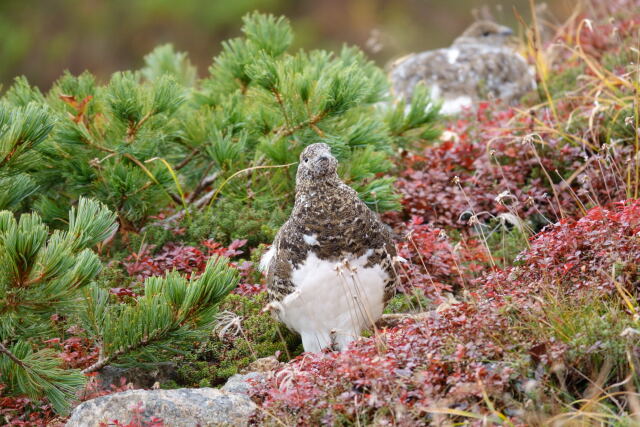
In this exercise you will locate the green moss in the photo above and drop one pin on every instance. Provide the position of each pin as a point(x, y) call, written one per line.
point(231, 219)
point(214, 361)
point(562, 82)
point(113, 276)
point(505, 242)
point(592, 328)
point(407, 303)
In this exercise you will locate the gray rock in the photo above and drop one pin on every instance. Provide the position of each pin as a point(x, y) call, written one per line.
point(239, 382)
point(180, 407)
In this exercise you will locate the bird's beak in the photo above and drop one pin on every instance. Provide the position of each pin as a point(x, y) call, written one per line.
point(324, 158)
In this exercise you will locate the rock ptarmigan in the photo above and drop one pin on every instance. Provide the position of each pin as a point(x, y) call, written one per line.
point(330, 270)
point(478, 65)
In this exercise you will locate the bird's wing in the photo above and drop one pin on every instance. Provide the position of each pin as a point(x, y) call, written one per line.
point(378, 237)
point(279, 262)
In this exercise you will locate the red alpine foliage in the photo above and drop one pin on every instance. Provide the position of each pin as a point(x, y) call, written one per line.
point(95, 388)
point(455, 357)
point(185, 259)
point(76, 352)
point(395, 377)
point(598, 37)
point(577, 256)
point(492, 154)
point(189, 260)
point(250, 282)
point(22, 411)
point(433, 264)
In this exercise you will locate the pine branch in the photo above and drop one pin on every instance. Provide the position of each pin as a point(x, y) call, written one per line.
point(11, 356)
point(197, 204)
point(134, 127)
point(131, 157)
point(121, 351)
point(181, 306)
point(95, 145)
point(282, 106)
point(310, 122)
point(187, 159)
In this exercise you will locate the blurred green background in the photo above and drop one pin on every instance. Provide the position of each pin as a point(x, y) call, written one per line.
point(42, 38)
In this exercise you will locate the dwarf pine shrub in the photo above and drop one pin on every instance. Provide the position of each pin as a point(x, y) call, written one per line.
point(159, 136)
point(43, 274)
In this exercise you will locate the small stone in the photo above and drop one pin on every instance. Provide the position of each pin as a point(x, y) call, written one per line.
point(263, 364)
point(241, 383)
point(183, 407)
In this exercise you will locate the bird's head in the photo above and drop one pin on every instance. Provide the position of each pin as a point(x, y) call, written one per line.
point(316, 162)
point(485, 32)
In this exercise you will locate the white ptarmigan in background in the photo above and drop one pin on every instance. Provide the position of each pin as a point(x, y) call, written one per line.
point(330, 269)
point(478, 65)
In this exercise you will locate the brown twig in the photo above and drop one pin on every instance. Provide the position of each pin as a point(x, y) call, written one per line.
point(9, 155)
point(282, 106)
point(11, 356)
point(197, 204)
point(187, 159)
point(204, 183)
point(283, 131)
point(101, 363)
point(134, 127)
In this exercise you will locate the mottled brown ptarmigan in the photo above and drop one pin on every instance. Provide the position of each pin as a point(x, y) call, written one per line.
point(479, 64)
point(330, 270)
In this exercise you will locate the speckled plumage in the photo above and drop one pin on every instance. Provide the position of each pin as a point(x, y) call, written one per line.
point(331, 227)
point(478, 65)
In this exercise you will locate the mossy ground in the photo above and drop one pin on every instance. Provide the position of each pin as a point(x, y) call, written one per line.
point(228, 352)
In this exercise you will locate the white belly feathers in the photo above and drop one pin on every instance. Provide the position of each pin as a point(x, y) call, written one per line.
point(333, 300)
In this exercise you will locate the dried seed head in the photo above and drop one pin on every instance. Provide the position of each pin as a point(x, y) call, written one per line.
point(502, 197)
point(628, 121)
point(227, 323)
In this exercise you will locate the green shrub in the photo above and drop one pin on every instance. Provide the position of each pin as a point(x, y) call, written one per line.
point(43, 274)
point(159, 138)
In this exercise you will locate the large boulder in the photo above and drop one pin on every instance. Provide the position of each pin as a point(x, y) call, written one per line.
point(180, 407)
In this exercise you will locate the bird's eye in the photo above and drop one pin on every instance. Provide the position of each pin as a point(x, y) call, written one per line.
point(306, 160)
point(486, 34)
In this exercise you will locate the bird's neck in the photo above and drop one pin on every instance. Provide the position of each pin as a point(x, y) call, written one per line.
point(318, 185)
point(311, 189)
